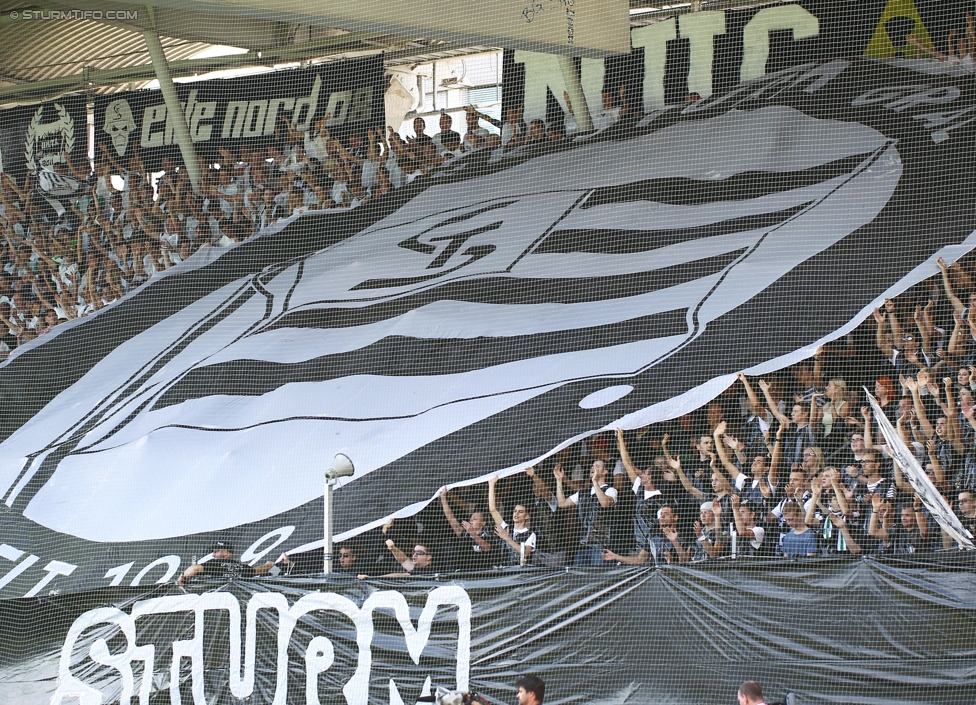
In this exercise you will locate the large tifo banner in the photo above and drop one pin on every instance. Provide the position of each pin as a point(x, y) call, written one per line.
point(876, 633)
point(477, 321)
point(710, 52)
point(249, 113)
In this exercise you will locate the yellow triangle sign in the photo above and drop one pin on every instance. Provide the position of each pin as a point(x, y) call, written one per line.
point(880, 46)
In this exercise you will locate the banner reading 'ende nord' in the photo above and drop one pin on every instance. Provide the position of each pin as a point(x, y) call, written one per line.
point(238, 113)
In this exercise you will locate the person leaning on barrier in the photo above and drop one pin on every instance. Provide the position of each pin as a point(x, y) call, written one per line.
point(223, 565)
point(419, 562)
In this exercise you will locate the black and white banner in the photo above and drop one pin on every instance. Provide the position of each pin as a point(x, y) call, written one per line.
point(710, 52)
point(477, 321)
point(678, 635)
point(40, 138)
point(245, 112)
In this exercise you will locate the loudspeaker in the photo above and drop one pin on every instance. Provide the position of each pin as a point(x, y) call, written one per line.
point(341, 467)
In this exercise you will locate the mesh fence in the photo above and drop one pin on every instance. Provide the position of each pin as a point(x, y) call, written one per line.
point(648, 374)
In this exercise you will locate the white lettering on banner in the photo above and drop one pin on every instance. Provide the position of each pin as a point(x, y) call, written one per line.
point(900, 98)
point(54, 569)
point(770, 85)
point(252, 555)
point(542, 73)
point(755, 35)
point(700, 29)
point(118, 573)
point(172, 564)
point(654, 40)
point(152, 115)
point(319, 654)
point(947, 121)
point(253, 118)
point(13, 555)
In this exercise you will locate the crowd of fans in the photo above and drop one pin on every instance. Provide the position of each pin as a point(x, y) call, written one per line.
point(792, 465)
point(64, 258)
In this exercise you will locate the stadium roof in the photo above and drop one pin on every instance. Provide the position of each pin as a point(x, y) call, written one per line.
point(61, 46)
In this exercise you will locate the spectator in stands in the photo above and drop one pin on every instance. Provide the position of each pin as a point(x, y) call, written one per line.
point(476, 136)
point(665, 546)
point(965, 509)
point(949, 449)
point(595, 513)
point(751, 536)
point(419, 127)
point(758, 422)
point(474, 544)
point(910, 536)
point(519, 542)
point(349, 559)
point(902, 349)
point(750, 693)
point(830, 514)
point(452, 147)
point(761, 487)
point(556, 131)
point(537, 132)
point(813, 462)
point(648, 498)
point(614, 108)
point(701, 468)
point(958, 52)
point(720, 492)
point(514, 132)
point(884, 392)
point(800, 540)
point(808, 377)
point(799, 434)
point(446, 122)
point(875, 481)
point(550, 541)
point(419, 562)
point(829, 418)
point(712, 539)
point(531, 690)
